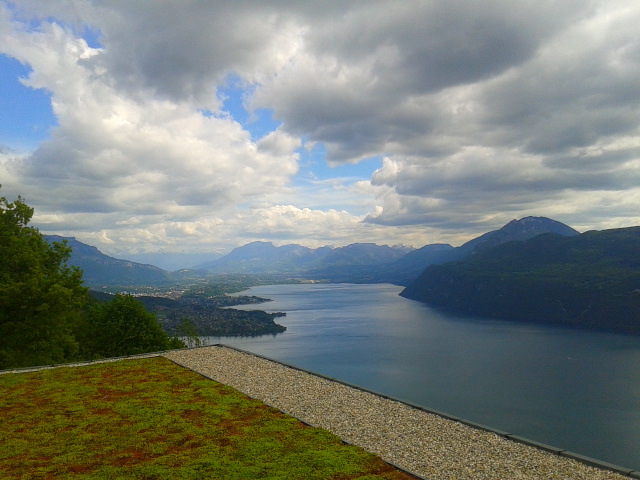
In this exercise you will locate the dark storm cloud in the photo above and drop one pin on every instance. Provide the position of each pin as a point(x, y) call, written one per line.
point(378, 65)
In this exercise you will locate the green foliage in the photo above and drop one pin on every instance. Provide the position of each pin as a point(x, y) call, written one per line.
point(149, 418)
point(123, 327)
point(592, 279)
point(45, 317)
point(188, 332)
point(40, 296)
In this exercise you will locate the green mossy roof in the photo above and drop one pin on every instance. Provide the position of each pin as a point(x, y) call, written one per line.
point(150, 418)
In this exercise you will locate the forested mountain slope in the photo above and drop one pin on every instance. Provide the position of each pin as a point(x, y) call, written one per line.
point(592, 279)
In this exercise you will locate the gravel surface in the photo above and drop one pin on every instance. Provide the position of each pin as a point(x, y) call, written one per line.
point(420, 442)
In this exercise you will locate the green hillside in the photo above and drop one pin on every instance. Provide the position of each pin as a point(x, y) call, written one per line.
point(592, 280)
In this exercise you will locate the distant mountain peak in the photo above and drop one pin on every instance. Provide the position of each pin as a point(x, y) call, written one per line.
point(516, 230)
point(531, 225)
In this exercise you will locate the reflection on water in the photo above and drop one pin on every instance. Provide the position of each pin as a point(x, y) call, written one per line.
point(575, 389)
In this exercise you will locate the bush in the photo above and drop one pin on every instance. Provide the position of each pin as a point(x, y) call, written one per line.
point(123, 327)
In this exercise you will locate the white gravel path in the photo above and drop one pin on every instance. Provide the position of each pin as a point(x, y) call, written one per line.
point(420, 442)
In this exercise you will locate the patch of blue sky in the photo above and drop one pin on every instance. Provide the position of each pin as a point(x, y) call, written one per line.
point(26, 116)
point(92, 36)
point(327, 186)
point(259, 122)
point(314, 167)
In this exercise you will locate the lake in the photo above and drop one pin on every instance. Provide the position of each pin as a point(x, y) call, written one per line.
point(574, 389)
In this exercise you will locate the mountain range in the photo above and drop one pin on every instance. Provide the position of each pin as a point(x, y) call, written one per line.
point(264, 257)
point(356, 263)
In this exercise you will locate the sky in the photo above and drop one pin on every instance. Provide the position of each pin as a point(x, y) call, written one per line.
point(186, 126)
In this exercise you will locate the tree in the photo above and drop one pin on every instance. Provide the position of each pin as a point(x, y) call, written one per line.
point(40, 296)
point(124, 327)
point(188, 333)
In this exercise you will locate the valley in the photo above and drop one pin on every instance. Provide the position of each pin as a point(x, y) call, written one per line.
point(591, 281)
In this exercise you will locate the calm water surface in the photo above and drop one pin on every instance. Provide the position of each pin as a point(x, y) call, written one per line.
point(578, 390)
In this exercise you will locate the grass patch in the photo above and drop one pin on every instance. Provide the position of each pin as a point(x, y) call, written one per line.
point(151, 419)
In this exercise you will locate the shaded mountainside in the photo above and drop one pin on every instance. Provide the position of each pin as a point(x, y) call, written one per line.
point(400, 271)
point(101, 269)
point(592, 280)
point(264, 257)
point(364, 254)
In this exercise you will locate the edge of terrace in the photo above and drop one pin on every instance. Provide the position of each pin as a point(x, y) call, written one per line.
point(555, 451)
point(509, 436)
